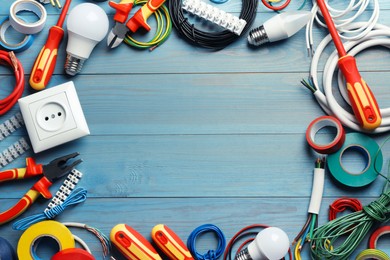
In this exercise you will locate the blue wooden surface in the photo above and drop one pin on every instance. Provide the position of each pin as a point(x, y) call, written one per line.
point(185, 136)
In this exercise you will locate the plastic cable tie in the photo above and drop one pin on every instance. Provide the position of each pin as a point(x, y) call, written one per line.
point(215, 15)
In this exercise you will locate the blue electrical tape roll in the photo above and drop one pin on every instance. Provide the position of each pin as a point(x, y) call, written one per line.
point(16, 47)
point(374, 160)
point(7, 252)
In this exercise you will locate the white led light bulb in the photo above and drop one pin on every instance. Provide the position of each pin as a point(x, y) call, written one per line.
point(270, 244)
point(279, 27)
point(87, 25)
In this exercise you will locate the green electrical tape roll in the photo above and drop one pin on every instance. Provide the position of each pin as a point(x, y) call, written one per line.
point(372, 153)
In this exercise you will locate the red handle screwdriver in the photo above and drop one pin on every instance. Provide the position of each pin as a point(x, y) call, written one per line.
point(363, 102)
point(46, 61)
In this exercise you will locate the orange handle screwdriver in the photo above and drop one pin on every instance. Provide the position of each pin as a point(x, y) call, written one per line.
point(363, 102)
point(46, 61)
point(170, 243)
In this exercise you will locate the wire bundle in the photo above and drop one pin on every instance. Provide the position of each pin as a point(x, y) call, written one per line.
point(342, 204)
point(164, 28)
point(9, 58)
point(338, 238)
point(209, 40)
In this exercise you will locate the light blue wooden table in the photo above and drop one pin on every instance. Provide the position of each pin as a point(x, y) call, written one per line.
point(185, 136)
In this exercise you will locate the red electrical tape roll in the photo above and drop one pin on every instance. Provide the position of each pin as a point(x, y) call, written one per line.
point(319, 123)
point(376, 234)
point(73, 254)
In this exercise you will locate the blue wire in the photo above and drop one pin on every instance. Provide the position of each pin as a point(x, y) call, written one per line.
point(219, 1)
point(211, 254)
point(77, 196)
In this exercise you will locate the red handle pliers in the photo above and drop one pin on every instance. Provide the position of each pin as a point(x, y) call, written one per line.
point(51, 172)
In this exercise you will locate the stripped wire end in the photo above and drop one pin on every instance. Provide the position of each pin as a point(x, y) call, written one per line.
point(14, 60)
point(308, 85)
point(320, 163)
point(153, 47)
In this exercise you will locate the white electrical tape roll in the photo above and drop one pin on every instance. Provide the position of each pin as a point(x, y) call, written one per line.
point(30, 6)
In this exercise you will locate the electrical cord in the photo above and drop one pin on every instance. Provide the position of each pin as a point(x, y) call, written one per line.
point(9, 58)
point(268, 4)
point(210, 254)
point(379, 36)
point(164, 28)
point(210, 40)
point(341, 204)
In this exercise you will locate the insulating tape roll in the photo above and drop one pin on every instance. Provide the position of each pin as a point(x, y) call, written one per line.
point(16, 47)
point(376, 234)
point(7, 252)
point(25, 27)
point(49, 228)
point(374, 160)
point(320, 123)
point(372, 254)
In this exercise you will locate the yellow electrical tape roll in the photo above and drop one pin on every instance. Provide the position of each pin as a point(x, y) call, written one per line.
point(372, 254)
point(49, 228)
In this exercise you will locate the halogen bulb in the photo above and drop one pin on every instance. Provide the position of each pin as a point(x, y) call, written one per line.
point(279, 27)
point(87, 25)
point(270, 244)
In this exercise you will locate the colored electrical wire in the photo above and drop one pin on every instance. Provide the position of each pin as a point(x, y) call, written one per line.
point(77, 196)
point(268, 4)
point(379, 36)
point(9, 58)
point(372, 254)
point(249, 231)
point(219, 1)
point(210, 254)
point(164, 28)
point(341, 204)
point(103, 239)
point(346, 232)
point(206, 39)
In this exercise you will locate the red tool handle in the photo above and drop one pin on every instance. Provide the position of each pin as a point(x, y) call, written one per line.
point(140, 17)
point(363, 102)
point(13, 174)
point(170, 243)
point(46, 61)
point(122, 9)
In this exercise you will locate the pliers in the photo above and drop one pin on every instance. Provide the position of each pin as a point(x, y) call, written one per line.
point(123, 8)
point(51, 172)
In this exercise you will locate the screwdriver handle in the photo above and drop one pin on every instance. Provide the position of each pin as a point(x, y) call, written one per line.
point(363, 102)
point(141, 16)
point(170, 243)
point(46, 61)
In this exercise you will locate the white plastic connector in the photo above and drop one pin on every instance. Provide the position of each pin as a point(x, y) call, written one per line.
point(215, 15)
point(53, 116)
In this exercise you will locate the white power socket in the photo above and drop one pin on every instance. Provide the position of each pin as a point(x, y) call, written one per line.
point(53, 116)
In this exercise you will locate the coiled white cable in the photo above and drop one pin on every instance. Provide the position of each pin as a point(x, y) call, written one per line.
point(379, 36)
point(342, 18)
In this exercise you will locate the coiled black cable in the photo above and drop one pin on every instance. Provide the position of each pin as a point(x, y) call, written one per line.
point(210, 40)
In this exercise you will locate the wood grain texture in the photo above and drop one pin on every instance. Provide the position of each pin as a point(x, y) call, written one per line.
point(186, 136)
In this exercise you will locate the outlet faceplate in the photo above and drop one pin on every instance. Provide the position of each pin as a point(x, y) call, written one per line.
point(53, 116)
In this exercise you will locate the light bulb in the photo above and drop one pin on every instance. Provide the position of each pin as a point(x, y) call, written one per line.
point(87, 25)
point(270, 244)
point(279, 27)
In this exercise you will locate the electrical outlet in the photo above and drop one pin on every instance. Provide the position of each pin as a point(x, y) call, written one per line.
point(53, 116)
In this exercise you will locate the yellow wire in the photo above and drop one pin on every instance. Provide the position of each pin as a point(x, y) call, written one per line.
point(297, 252)
point(372, 253)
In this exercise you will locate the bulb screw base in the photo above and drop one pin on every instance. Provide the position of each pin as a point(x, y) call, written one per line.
point(243, 255)
point(73, 65)
point(258, 36)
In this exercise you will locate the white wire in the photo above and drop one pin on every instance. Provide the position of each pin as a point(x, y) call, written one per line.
point(379, 36)
point(82, 243)
point(343, 18)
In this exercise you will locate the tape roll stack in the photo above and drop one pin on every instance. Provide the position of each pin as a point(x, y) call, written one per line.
point(52, 229)
point(384, 230)
point(7, 252)
point(369, 148)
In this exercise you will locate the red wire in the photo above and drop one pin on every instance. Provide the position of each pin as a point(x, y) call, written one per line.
point(342, 204)
point(276, 8)
point(332, 28)
point(9, 58)
point(65, 9)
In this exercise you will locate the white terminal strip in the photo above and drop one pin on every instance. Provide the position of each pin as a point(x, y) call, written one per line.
point(215, 15)
point(19, 147)
point(31, 6)
point(66, 189)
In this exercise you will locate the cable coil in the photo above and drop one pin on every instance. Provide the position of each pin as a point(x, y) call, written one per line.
point(209, 40)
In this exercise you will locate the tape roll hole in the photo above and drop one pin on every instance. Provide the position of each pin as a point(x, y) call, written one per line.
point(355, 160)
point(324, 134)
point(45, 247)
point(28, 17)
point(11, 36)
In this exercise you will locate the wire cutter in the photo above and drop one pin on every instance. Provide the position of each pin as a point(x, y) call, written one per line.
point(123, 8)
point(51, 172)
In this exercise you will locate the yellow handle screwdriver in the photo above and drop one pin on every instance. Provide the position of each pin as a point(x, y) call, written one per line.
point(46, 61)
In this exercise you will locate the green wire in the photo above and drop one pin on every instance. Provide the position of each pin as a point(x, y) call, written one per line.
point(313, 223)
